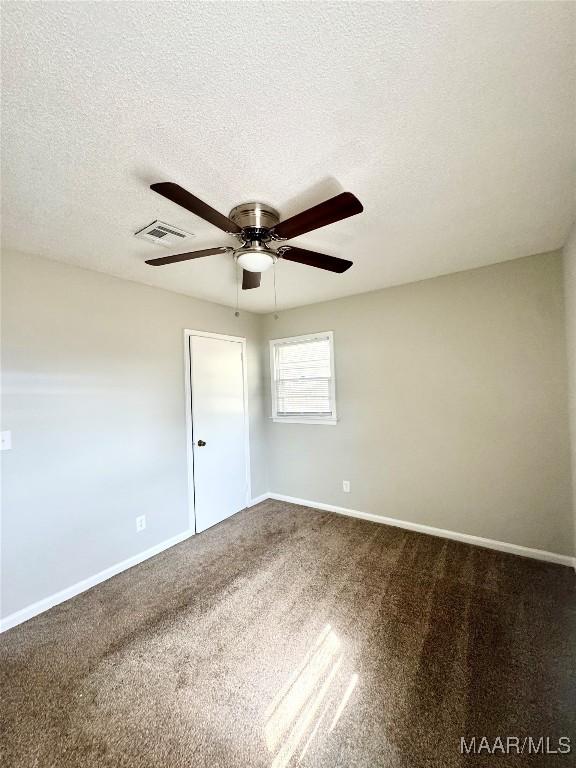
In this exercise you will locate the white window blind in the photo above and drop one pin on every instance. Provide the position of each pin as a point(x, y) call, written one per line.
point(303, 380)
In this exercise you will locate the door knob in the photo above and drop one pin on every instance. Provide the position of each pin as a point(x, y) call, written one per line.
point(201, 443)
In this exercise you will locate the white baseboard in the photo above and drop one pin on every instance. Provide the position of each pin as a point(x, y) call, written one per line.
point(258, 499)
point(49, 602)
point(479, 541)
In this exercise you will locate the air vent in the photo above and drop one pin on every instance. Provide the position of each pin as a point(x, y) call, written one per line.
point(163, 234)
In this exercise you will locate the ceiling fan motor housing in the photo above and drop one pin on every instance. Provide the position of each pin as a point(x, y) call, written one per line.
point(257, 218)
point(256, 221)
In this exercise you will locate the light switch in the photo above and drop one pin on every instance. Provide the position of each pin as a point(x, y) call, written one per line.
point(5, 440)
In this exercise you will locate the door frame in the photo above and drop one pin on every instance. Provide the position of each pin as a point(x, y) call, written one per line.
point(188, 407)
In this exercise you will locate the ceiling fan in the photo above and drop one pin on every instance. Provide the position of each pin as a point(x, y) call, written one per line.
point(257, 226)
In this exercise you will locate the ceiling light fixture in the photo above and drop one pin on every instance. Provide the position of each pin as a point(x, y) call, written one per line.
point(255, 257)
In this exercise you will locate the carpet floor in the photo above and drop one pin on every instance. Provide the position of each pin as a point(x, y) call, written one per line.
point(285, 636)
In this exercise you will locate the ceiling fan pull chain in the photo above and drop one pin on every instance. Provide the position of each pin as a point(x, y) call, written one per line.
point(275, 296)
point(237, 312)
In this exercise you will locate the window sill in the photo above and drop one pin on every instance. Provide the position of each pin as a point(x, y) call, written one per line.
point(297, 420)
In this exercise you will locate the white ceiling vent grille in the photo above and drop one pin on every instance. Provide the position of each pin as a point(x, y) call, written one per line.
point(163, 234)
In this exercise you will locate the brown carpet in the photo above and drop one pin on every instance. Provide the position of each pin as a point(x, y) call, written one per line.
point(287, 636)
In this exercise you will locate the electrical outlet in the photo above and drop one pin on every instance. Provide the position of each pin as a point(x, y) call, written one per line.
point(140, 523)
point(5, 440)
point(346, 486)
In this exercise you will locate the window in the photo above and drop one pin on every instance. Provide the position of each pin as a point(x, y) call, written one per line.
point(302, 375)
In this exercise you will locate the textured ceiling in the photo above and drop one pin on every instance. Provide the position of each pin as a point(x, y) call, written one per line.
point(453, 123)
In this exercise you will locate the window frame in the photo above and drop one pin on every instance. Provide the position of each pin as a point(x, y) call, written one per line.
point(302, 419)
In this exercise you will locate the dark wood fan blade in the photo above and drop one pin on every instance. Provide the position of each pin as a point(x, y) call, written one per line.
point(250, 279)
point(180, 196)
point(187, 256)
point(313, 259)
point(340, 207)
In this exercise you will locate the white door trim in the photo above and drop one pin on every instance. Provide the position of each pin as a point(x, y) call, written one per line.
point(188, 407)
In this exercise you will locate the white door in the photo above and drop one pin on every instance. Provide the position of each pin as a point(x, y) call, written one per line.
point(219, 429)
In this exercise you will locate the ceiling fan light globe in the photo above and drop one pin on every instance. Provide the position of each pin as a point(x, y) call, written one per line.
point(254, 260)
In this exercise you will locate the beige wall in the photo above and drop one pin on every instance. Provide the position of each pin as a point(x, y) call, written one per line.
point(93, 391)
point(570, 298)
point(452, 400)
